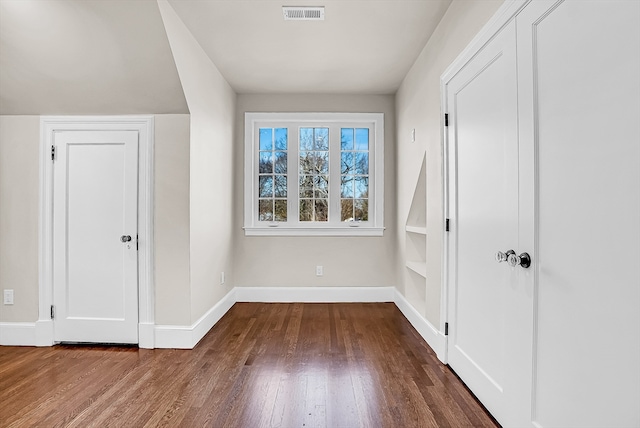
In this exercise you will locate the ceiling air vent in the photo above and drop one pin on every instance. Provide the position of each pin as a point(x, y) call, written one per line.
point(293, 13)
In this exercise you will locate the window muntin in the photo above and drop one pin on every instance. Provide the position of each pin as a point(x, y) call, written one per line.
point(354, 174)
point(322, 167)
point(272, 174)
point(314, 174)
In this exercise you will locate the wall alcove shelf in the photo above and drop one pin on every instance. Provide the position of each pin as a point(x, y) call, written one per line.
point(416, 244)
point(416, 227)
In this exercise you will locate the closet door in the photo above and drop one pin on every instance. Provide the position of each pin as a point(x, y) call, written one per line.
point(579, 106)
point(489, 316)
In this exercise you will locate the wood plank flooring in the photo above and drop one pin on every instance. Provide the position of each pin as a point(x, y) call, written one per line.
point(262, 365)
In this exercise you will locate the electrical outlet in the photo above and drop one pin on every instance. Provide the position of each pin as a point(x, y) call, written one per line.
point(8, 297)
point(319, 271)
point(413, 135)
point(222, 278)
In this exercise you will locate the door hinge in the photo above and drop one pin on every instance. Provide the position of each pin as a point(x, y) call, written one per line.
point(446, 329)
point(53, 312)
point(446, 225)
point(137, 240)
point(446, 119)
point(53, 152)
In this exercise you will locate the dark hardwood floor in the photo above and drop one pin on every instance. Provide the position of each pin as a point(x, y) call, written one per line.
point(262, 365)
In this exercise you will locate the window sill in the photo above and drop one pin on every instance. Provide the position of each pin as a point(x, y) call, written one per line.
point(316, 231)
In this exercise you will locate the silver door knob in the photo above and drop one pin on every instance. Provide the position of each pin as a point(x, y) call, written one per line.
point(125, 238)
point(523, 260)
point(503, 257)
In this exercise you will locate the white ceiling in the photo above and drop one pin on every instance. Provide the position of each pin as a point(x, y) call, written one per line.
point(362, 46)
point(86, 57)
point(113, 56)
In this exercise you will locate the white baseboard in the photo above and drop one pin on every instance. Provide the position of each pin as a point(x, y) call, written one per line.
point(173, 336)
point(44, 333)
point(18, 334)
point(315, 294)
point(146, 335)
point(40, 333)
point(208, 320)
point(187, 337)
point(434, 338)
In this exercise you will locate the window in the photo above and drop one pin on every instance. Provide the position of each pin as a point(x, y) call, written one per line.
point(272, 175)
point(314, 174)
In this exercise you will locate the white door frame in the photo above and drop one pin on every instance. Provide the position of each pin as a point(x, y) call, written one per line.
point(144, 125)
point(502, 17)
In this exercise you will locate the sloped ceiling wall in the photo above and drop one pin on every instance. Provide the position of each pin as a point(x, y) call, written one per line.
point(362, 46)
point(113, 57)
point(86, 57)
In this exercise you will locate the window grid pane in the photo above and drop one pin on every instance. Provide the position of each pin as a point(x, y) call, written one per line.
point(354, 168)
point(314, 175)
point(272, 174)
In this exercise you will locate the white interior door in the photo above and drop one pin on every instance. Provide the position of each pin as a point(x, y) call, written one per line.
point(579, 72)
point(95, 286)
point(487, 314)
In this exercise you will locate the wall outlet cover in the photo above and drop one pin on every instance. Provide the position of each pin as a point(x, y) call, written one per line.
point(8, 297)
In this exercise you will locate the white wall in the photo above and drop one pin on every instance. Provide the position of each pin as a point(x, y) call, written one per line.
point(193, 197)
point(418, 106)
point(291, 261)
point(19, 213)
point(211, 102)
point(19, 209)
point(171, 218)
point(208, 219)
point(86, 57)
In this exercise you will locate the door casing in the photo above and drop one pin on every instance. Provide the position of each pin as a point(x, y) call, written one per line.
point(502, 17)
point(144, 125)
point(530, 218)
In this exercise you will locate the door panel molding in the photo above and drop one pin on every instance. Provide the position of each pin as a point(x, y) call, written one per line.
point(556, 286)
point(515, 387)
point(481, 162)
point(577, 164)
point(144, 125)
point(503, 16)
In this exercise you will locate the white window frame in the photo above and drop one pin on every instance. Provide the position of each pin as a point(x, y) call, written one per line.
point(334, 121)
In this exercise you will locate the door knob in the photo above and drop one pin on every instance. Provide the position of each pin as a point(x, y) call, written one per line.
point(503, 257)
point(125, 238)
point(523, 260)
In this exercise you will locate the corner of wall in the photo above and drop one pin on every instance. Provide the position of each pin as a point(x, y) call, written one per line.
point(418, 109)
point(19, 215)
point(211, 102)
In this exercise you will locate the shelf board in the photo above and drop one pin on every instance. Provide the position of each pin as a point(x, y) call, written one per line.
point(418, 267)
point(416, 229)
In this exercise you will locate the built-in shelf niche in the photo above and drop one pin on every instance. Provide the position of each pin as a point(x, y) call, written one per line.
point(420, 230)
point(416, 227)
point(417, 217)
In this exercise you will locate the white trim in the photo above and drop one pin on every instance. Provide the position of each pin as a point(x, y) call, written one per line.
point(18, 334)
point(502, 17)
point(324, 231)
point(146, 335)
point(506, 12)
point(146, 289)
point(434, 338)
point(44, 333)
point(315, 294)
point(26, 333)
point(187, 337)
point(373, 227)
